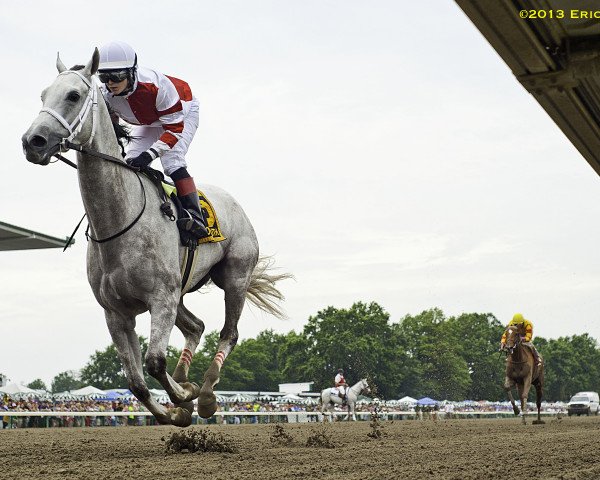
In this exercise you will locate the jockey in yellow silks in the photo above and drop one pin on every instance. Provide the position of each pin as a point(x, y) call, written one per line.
point(525, 329)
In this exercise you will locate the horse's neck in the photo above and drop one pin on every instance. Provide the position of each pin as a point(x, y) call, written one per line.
point(519, 354)
point(356, 388)
point(109, 191)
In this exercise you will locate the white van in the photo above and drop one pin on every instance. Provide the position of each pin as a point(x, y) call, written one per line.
point(584, 403)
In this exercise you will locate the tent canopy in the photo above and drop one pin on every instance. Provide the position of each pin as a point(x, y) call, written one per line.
point(14, 388)
point(407, 399)
point(426, 401)
point(87, 391)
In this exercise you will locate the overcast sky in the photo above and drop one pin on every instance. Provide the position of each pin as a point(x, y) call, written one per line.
point(382, 150)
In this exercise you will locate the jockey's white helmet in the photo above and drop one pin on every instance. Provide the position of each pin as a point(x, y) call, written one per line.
point(117, 56)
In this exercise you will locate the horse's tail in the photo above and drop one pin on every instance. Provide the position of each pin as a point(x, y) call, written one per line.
point(262, 291)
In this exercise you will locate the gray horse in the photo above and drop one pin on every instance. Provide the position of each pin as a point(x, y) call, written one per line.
point(140, 270)
point(330, 398)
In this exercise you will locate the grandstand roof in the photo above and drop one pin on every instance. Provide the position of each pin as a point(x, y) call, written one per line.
point(18, 238)
point(555, 56)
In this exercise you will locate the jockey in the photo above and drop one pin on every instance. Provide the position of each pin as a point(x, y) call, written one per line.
point(525, 328)
point(340, 384)
point(165, 117)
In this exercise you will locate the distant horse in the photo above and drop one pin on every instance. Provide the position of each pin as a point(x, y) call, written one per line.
point(135, 257)
point(521, 370)
point(330, 398)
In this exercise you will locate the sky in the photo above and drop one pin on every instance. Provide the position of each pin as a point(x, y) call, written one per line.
point(382, 150)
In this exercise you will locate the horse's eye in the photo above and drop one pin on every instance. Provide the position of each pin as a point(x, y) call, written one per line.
point(73, 97)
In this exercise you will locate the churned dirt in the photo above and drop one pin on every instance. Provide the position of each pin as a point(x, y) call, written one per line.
point(564, 448)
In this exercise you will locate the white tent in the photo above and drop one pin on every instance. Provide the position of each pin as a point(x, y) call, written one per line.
point(64, 396)
point(290, 397)
point(160, 395)
point(16, 389)
point(408, 399)
point(89, 392)
point(239, 397)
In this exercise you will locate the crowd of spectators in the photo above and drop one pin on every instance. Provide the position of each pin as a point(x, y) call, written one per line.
point(447, 410)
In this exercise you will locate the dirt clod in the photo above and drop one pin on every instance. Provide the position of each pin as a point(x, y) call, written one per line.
point(202, 440)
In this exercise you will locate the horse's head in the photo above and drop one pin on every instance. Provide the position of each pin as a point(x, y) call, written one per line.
point(365, 386)
point(66, 105)
point(513, 338)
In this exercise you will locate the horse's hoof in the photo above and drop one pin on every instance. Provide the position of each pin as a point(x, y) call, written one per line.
point(189, 406)
point(180, 417)
point(191, 387)
point(539, 422)
point(207, 404)
point(207, 411)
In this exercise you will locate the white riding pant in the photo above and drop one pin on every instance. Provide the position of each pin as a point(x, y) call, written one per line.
point(144, 136)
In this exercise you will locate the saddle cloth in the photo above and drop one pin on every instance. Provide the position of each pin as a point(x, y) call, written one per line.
point(210, 215)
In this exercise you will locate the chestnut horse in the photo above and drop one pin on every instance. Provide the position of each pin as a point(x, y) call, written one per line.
point(521, 370)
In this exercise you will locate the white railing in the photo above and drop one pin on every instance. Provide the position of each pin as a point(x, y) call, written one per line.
point(289, 417)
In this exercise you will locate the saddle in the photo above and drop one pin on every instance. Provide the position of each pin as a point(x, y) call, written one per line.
point(168, 191)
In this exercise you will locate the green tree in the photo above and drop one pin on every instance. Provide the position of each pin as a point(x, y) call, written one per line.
point(572, 364)
point(260, 357)
point(438, 368)
point(37, 384)
point(478, 336)
point(64, 381)
point(357, 339)
point(104, 369)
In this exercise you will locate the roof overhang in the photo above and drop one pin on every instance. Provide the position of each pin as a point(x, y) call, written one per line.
point(556, 59)
point(17, 238)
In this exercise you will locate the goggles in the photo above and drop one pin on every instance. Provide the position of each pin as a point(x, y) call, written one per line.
point(114, 76)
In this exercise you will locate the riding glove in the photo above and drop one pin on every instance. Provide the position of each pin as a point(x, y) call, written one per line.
point(141, 161)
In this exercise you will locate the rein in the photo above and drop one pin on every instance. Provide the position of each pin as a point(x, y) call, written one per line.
point(109, 158)
point(90, 105)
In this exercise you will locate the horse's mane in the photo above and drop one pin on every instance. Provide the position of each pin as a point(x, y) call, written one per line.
point(122, 132)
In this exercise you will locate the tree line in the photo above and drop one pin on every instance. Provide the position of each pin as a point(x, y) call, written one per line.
point(429, 354)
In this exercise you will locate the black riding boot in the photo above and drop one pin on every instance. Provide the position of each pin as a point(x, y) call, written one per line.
point(188, 196)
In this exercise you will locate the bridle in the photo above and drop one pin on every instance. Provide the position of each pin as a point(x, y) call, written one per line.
point(511, 350)
point(90, 104)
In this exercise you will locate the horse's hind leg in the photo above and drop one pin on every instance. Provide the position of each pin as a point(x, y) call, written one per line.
point(234, 302)
point(192, 328)
point(121, 328)
point(233, 277)
point(538, 402)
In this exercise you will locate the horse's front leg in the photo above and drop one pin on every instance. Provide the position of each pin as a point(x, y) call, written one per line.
point(234, 303)
point(163, 313)
point(523, 393)
point(508, 385)
point(121, 329)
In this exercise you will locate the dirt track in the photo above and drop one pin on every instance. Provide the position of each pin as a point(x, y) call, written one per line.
point(460, 449)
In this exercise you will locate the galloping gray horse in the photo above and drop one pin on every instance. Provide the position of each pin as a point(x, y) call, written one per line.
point(140, 269)
point(329, 398)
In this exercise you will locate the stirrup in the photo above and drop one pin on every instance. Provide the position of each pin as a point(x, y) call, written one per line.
point(193, 226)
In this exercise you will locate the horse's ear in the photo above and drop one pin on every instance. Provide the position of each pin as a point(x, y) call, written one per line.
point(60, 66)
point(92, 66)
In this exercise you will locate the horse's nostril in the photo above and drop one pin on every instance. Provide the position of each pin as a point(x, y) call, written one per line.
point(38, 141)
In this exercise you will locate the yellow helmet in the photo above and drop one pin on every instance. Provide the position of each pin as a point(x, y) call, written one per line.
point(518, 318)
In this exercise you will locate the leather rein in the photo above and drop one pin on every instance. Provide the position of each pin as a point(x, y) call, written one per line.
point(90, 105)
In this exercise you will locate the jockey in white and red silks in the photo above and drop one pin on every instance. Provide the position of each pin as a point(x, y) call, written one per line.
point(164, 115)
point(340, 384)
